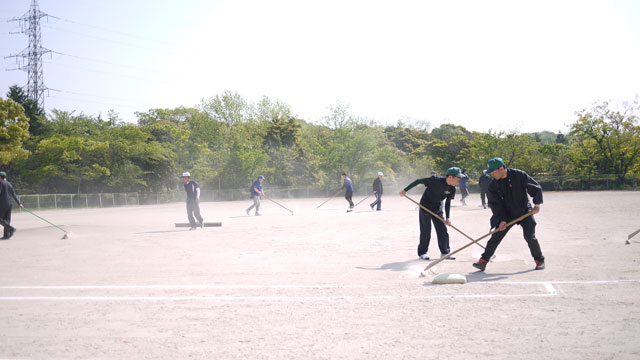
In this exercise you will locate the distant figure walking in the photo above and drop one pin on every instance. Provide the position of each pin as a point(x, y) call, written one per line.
point(193, 201)
point(347, 186)
point(6, 194)
point(377, 191)
point(484, 181)
point(256, 192)
point(464, 187)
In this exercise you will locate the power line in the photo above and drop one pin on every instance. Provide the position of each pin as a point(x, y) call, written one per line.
point(114, 74)
point(113, 31)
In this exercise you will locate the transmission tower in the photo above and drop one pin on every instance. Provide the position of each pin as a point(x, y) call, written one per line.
point(30, 59)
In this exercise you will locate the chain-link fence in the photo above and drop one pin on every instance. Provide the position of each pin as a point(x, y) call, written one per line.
point(69, 201)
point(73, 201)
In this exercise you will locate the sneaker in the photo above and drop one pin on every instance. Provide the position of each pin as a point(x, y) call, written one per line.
point(481, 264)
point(424, 257)
point(11, 232)
point(248, 212)
point(449, 258)
point(192, 228)
point(202, 225)
point(371, 207)
point(539, 265)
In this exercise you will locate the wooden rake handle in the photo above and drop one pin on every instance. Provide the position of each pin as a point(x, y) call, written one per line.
point(277, 203)
point(332, 196)
point(434, 263)
point(441, 219)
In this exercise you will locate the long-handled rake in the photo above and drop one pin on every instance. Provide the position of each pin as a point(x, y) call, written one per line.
point(332, 196)
point(435, 262)
point(67, 234)
point(441, 219)
point(631, 235)
point(360, 202)
point(277, 203)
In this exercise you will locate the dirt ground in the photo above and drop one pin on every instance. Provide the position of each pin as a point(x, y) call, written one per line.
point(321, 284)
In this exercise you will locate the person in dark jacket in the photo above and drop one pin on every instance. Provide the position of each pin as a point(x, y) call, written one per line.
point(193, 201)
point(256, 192)
point(347, 186)
point(508, 201)
point(377, 191)
point(484, 181)
point(6, 194)
point(438, 188)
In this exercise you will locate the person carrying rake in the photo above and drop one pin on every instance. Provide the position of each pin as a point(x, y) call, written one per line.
point(438, 188)
point(508, 201)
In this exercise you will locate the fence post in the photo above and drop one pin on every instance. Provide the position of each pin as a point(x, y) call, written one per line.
point(138, 197)
point(100, 197)
point(86, 198)
point(113, 198)
point(38, 200)
point(125, 199)
point(55, 201)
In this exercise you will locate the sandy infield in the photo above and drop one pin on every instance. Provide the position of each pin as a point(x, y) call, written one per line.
point(321, 284)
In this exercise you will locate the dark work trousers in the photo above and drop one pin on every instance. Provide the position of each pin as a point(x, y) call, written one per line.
point(425, 232)
point(529, 232)
point(378, 201)
point(482, 197)
point(5, 220)
point(193, 208)
point(348, 195)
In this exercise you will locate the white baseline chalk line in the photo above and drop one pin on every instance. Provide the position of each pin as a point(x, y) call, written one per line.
point(264, 298)
point(548, 285)
point(311, 286)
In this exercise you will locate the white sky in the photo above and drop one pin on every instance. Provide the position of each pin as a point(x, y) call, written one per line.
point(501, 65)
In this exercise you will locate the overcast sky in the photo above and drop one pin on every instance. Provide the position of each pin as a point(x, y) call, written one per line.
point(501, 65)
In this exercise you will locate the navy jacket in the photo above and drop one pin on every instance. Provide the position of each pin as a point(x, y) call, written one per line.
point(377, 186)
point(6, 193)
point(508, 197)
point(436, 190)
point(484, 182)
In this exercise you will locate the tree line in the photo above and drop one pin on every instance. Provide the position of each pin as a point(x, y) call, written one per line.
point(227, 141)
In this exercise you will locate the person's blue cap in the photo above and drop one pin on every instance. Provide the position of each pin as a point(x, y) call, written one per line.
point(494, 164)
point(3, 174)
point(260, 177)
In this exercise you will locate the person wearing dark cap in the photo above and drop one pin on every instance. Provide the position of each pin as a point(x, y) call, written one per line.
point(347, 186)
point(256, 192)
point(508, 201)
point(438, 188)
point(193, 201)
point(484, 181)
point(6, 194)
point(433, 173)
point(377, 192)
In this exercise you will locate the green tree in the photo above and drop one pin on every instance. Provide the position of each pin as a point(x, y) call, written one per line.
point(609, 137)
point(14, 130)
point(35, 114)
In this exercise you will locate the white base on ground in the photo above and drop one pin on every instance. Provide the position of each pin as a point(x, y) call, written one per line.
point(448, 278)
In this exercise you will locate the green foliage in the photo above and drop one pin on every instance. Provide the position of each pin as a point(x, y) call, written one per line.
point(227, 142)
point(14, 130)
point(35, 114)
point(607, 141)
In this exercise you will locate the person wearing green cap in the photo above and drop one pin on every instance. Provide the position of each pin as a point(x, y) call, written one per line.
point(438, 188)
point(508, 201)
point(6, 194)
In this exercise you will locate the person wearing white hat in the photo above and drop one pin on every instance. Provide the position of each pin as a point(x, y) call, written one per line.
point(193, 201)
point(377, 191)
